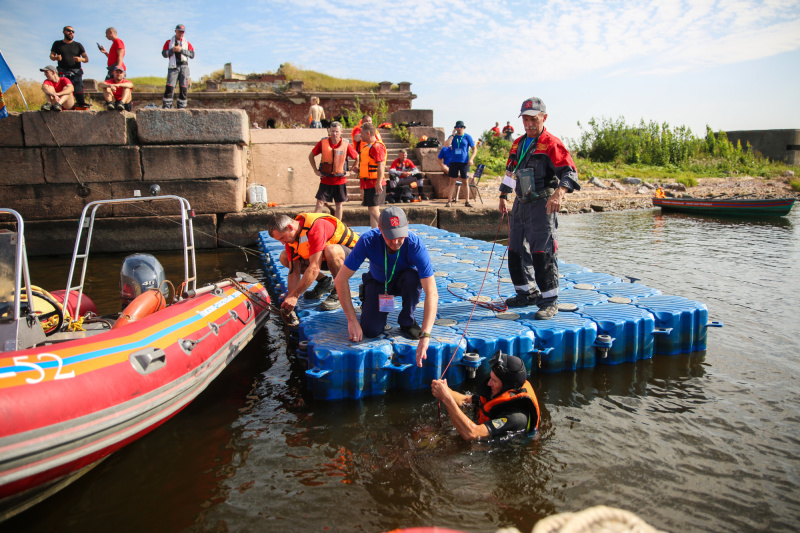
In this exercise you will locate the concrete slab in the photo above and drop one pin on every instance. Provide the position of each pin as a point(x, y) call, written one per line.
point(21, 166)
point(53, 201)
point(11, 131)
point(92, 164)
point(87, 128)
point(198, 161)
point(208, 196)
point(192, 126)
point(116, 235)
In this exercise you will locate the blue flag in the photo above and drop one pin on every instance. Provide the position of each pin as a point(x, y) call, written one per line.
point(7, 79)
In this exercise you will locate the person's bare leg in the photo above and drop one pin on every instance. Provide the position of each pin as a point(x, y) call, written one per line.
point(374, 215)
point(339, 209)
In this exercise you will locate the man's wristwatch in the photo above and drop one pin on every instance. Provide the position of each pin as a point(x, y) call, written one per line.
point(424, 335)
point(504, 197)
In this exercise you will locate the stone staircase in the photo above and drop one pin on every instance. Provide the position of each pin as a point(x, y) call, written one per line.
point(393, 147)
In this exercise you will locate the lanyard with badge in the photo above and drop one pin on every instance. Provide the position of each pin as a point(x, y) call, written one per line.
point(386, 300)
point(525, 176)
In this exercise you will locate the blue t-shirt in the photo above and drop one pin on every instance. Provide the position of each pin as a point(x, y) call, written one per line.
point(459, 148)
point(445, 154)
point(372, 246)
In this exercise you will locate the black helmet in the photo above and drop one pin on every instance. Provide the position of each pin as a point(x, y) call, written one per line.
point(509, 369)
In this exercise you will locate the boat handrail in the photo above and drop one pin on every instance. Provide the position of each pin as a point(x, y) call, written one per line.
point(189, 263)
point(20, 266)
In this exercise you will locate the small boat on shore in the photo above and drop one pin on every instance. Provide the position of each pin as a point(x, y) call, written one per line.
point(75, 387)
point(727, 206)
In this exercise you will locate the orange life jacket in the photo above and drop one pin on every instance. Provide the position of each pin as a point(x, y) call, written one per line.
point(368, 169)
point(333, 159)
point(524, 396)
point(341, 235)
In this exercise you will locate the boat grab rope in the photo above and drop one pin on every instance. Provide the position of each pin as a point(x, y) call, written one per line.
point(254, 297)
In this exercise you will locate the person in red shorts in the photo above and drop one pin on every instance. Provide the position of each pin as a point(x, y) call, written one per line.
point(332, 169)
point(371, 171)
point(58, 91)
point(117, 91)
point(313, 242)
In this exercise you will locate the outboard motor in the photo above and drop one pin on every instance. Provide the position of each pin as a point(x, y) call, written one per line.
point(139, 273)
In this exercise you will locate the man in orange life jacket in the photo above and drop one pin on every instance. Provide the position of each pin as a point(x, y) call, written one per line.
point(332, 169)
point(371, 168)
point(314, 242)
point(505, 403)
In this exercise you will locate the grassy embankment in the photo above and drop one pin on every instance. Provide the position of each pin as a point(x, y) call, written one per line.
point(653, 152)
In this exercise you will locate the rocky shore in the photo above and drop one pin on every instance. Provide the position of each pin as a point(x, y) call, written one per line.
point(611, 195)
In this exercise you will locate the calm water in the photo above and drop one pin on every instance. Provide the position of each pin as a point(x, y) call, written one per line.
point(700, 442)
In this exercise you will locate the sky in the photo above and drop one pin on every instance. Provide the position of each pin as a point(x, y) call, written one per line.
point(728, 64)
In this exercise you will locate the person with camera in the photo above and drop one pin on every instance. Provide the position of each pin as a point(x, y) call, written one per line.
point(505, 403)
point(539, 172)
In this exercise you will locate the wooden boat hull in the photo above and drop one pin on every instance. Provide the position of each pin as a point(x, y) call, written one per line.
point(729, 206)
point(66, 406)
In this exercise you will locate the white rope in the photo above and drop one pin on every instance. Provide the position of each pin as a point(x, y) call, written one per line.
point(599, 519)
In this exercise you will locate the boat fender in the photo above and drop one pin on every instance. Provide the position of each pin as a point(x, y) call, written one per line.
point(142, 306)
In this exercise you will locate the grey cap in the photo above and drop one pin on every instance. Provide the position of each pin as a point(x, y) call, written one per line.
point(180, 27)
point(48, 67)
point(393, 223)
point(533, 106)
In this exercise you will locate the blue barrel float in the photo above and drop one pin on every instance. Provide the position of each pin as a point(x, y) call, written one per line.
point(602, 321)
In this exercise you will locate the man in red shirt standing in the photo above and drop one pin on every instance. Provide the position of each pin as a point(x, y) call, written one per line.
point(117, 91)
point(332, 169)
point(115, 54)
point(496, 130)
point(58, 91)
point(313, 242)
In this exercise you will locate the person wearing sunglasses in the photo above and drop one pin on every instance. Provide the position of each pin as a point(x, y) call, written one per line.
point(70, 54)
point(504, 403)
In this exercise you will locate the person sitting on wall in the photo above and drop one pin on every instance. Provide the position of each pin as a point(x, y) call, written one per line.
point(314, 242)
point(405, 181)
point(117, 91)
point(57, 90)
point(505, 403)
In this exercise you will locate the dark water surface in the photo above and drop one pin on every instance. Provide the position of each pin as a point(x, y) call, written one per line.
point(699, 442)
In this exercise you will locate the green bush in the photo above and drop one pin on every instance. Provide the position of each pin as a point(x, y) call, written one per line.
point(795, 184)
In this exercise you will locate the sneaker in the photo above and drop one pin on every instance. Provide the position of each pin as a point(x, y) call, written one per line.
point(331, 302)
point(323, 286)
point(547, 312)
point(47, 107)
point(467, 204)
point(448, 204)
point(120, 106)
point(424, 197)
point(390, 199)
point(57, 107)
point(413, 331)
point(406, 201)
point(110, 106)
point(519, 300)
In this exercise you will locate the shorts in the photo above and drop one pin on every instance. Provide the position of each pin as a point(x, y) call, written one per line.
point(458, 168)
point(371, 199)
point(324, 266)
point(315, 124)
point(337, 193)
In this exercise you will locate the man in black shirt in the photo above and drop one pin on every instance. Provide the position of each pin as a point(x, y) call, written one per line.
point(70, 54)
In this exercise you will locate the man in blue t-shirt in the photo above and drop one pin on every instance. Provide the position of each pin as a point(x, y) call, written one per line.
point(462, 155)
point(399, 265)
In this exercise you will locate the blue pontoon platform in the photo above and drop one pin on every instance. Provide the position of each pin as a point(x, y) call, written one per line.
point(601, 320)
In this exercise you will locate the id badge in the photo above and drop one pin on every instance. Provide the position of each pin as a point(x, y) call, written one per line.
point(385, 303)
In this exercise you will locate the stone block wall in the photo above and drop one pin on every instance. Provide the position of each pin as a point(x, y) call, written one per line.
point(778, 145)
point(55, 163)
